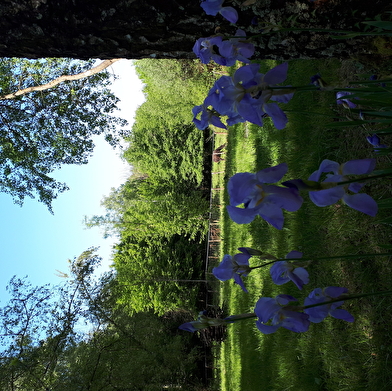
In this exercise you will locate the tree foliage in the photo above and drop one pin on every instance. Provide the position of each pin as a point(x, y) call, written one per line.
point(43, 130)
point(160, 215)
point(44, 346)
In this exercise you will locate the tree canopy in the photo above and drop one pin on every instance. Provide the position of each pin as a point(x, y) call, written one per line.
point(44, 129)
point(75, 337)
point(160, 215)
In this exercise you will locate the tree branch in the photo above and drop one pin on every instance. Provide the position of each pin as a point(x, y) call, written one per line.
point(100, 67)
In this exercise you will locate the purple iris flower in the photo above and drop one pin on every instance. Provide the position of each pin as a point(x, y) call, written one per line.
point(196, 325)
point(202, 322)
point(328, 196)
point(319, 313)
point(237, 95)
point(376, 142)
point(207, 117)
point(230, 50)
point(246, 95)
point(316, 80)
point(282, 271)
point(235, 49)
point(192, 326)
point(274, 313)
point(205, 50)
point(273, 77)
point(212, 7)
point(257, 93)
point(233, 267)
point(343, 101)
point(260, 199)
point(375, 77)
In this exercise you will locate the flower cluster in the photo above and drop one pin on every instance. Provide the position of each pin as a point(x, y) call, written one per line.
point(261, 198)
point(273, 313)
point(246, 97)
point(319, 313)
point(333, 192)
point(342, 100)
point(237, 266)
point(250, 95)
point(213, 7)
point(224, 51)
point(202, 322)
point(337, 186)
point(233, 267)
point(283, 271)
point(375, 141)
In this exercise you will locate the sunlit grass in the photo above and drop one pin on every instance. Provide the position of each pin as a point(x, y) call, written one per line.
point(332, 355)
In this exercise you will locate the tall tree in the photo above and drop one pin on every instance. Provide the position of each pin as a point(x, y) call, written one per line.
point(49, 112)
point(43, 347)
point(168, 29)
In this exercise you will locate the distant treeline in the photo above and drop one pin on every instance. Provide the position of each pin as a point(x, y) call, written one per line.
point(160, 213)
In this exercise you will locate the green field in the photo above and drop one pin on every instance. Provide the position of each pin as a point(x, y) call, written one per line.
point(332, 355)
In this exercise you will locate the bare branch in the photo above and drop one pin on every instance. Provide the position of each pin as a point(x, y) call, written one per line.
point(100, 67)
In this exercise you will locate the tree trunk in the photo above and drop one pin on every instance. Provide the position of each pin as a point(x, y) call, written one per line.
point(168, 28)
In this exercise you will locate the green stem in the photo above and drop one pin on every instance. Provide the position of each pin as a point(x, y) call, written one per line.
point(350, 256)
point(311, 113)
point(364, 179)
point(235, 318)
point(349, 297)
point(252, 315)
point(319, 30)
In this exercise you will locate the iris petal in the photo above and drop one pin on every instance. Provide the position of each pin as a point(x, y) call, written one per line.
point(241, 216)
point(327, 197)
point(277, 114)
point(362, 202)
point(240, 186)
point(239, 281)
point(272, 174)
point(359, 166)
point(272, 214)
point(277, 74)
point(342, 314)
point(230, 14)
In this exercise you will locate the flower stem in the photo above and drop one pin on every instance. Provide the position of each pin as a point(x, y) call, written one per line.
point(350, 256)
point(279, 30)
point(368, 178)
point(236, 318)
point(349, 297)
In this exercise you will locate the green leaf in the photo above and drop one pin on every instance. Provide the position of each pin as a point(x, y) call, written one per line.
point(385, 131)
point(383, 172)
point(347, 36)
point(380, 24)
point(355, 123)
point(371, 81)
point(385, 203)
point(388, 220)
point(378, 113)
point(388, 246)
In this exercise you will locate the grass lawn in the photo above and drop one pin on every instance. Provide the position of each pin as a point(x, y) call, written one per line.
point(334, 354)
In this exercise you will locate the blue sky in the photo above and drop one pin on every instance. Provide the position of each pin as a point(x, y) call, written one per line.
point(36, 243)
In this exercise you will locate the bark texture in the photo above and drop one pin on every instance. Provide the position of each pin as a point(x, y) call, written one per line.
point(168, 28)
